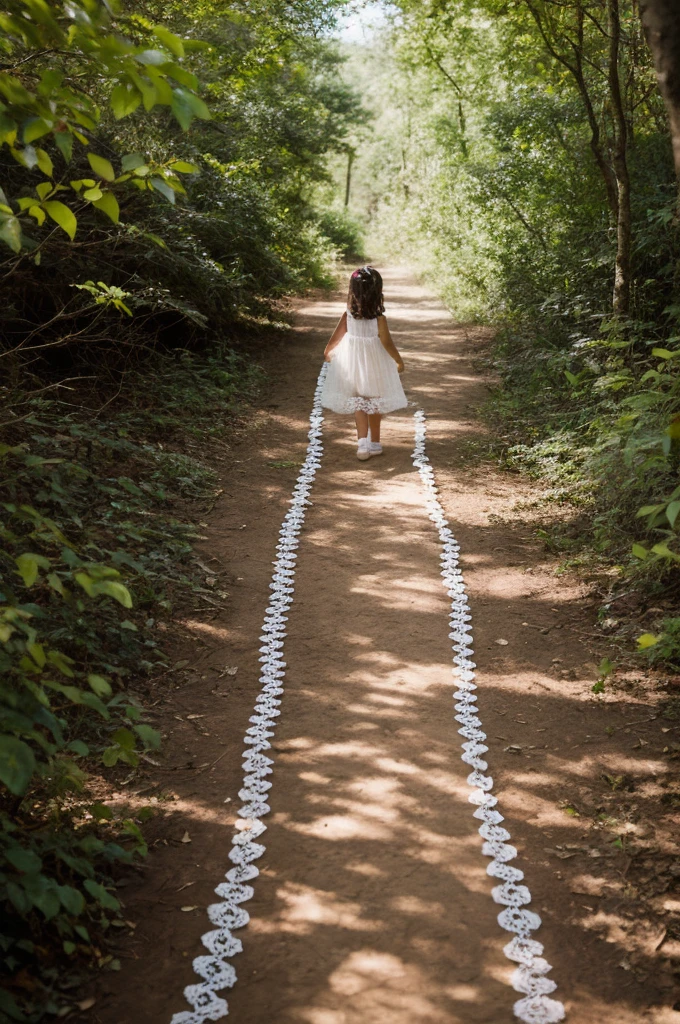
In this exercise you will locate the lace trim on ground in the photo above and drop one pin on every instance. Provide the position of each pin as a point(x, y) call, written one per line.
point(530, 977)
point(227, 915)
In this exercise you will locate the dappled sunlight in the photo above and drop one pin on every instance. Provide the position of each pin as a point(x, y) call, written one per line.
point(304, 908)
point(374, 905)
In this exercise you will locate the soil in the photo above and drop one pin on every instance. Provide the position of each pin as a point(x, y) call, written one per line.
point(373, 904)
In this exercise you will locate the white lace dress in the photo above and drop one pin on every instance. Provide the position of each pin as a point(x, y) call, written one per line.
point(361, 374)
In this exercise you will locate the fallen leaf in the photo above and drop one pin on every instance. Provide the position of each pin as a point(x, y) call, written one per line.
point(192, 717)
point(185, 886)
point(186, 838)
point(86, 1004)
point(503, 643)
point(187, 909)
point(513, 749)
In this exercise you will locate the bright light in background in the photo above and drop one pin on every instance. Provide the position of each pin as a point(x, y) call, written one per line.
point(359, 26)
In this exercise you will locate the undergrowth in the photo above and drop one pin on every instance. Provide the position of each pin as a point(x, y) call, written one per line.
point(96, 545)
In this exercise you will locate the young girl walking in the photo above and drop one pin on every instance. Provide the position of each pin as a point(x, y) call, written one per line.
point(363, 377)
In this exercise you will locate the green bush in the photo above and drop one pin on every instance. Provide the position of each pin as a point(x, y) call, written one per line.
point(344, 233)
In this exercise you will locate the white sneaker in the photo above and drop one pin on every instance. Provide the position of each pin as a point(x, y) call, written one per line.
point(375, 448)
point(363, 449)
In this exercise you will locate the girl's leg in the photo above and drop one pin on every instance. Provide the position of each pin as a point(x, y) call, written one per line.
point(361, 420)
point(374, 423)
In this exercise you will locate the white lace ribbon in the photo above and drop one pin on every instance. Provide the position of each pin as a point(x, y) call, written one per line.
point(227, 915)
point(530, 977)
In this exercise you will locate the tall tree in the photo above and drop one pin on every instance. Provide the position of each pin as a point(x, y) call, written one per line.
point(661, 23)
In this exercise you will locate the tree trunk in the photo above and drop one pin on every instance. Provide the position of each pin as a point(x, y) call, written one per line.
point(348, 179)
point(661, 24)
point(622, 276)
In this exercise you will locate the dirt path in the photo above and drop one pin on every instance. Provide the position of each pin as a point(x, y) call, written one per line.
point(373, 904)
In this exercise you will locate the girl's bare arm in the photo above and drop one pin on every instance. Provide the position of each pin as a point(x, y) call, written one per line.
point(388, 344)
point(336, 337)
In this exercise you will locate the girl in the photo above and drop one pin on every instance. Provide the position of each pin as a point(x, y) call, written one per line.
point(363, 377)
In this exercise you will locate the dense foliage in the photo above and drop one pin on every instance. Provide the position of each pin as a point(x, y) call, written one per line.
point(533, 177)
point(158, 168)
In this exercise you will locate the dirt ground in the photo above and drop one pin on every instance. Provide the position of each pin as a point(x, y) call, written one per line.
point(373, 904)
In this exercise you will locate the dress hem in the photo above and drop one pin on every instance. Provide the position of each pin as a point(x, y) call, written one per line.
point(357, 403)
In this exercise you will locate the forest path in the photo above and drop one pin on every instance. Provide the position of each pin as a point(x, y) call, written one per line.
point(373, 905)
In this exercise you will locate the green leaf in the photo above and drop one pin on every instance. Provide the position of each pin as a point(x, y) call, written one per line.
point(162, 186)
point(10, 232)
point(45, 162)
point(170, 41)
point(129, 485)
point(124, 100)
point(151, 738)
point(61, 662)
point(102, 895)
point(672, 512)
point(56, 584)
point(62, 216)
point(108, 204)
point(100, 685)
point(28, 565)
point(664, 353)
point(648, 510)
point(572, 378)
point(43, 893)
point(92, 193)
point(117, 591)
point(72, 900)
point(186, 106)
point(647, 640)
point(37, 653)
point(101, 166)
point(182, 167)
point(17, 764)
point(639, 551)
point(664, 551)
point(24, 860)
point(133, 160)
point(64, 141)
point(79, 747)
point(125, 739)
point(100, 812)
point(35, 128)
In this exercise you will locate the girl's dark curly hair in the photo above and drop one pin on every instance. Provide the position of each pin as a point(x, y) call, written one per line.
point(365, 298)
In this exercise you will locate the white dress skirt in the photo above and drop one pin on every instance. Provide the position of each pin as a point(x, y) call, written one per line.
point(362, 376)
